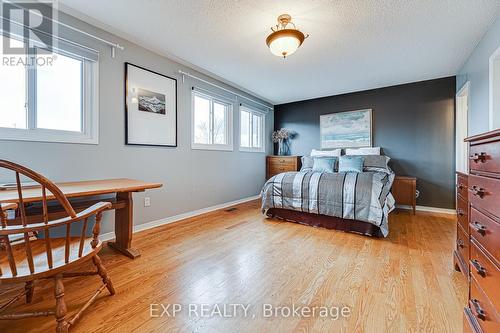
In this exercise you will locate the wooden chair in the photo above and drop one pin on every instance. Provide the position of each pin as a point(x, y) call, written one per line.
point(30, 261)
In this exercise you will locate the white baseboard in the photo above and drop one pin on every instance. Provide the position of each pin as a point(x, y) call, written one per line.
point(167, 220)
point(429, 209)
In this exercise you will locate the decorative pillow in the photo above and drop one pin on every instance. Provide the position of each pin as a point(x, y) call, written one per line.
point(378, 163)
point(307, 163)
point(324, 164)
point(363, 151)
point(351, 164)
point(330, 153)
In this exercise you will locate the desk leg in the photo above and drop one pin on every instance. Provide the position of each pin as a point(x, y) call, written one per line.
point(124, 218)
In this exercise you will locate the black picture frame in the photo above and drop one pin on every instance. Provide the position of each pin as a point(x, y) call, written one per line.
point(126, 91)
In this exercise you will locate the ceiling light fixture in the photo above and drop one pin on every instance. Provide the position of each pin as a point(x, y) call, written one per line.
point(284, 41)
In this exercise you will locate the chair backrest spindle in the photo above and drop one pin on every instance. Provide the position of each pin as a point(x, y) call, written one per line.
point(67, 243)
point(45, 209)
point(22, 211)
point(45, 214)
point(10, 256)
point(82, 237)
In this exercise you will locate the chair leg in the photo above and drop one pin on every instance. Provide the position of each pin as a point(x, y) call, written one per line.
point(61, 310)
point(101, 270)
point(30, 288)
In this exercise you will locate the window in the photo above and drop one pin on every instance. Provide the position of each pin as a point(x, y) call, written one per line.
point(48, 97)
point(212, 122)
point(252, 123)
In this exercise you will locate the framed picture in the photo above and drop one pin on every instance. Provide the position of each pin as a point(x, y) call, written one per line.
point(351, 129)
point(150, 108)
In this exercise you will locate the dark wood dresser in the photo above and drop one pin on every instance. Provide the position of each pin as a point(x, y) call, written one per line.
point(482, 312)
point(461, 252)
point(277, 164)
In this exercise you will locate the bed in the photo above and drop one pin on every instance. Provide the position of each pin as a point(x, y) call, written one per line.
point(347, 201)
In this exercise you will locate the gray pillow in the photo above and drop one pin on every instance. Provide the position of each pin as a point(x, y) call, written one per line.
point(307, 163)
point(378, 163)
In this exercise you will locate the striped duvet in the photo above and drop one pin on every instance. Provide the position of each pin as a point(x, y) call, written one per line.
point(361, 196)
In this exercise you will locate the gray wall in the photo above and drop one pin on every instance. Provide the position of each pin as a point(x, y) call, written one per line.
point(413, 123)
point(476, 70)
point(193, 179)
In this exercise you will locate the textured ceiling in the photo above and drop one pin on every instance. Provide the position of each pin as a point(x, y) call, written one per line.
point(353, 45)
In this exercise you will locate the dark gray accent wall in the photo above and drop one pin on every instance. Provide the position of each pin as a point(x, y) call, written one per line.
point(413, 123)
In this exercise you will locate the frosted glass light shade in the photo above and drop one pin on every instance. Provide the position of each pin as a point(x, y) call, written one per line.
point(283, 43)
point(284, 46)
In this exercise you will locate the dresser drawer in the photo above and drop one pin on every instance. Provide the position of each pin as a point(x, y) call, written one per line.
point(484, 193)
point(282, 161)
point(485, 157)
point(482, 310)
point(462, 185)
point(463, 244)
point(486, 232)
point(463, 214)
point(275, 169)
point(486, 274)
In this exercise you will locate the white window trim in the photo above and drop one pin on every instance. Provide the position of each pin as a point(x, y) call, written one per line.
point(90, 109)
point(203, 146)
point(263, 126)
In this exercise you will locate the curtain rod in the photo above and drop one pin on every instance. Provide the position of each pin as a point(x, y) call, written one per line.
point(113, 45)
point(222, 88)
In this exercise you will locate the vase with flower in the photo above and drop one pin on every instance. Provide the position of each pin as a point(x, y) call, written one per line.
point(281, 137)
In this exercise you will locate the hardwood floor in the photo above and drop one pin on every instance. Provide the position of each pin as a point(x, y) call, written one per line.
point(404, 283)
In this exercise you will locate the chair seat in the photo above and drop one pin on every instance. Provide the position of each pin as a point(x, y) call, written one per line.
point(38, 248)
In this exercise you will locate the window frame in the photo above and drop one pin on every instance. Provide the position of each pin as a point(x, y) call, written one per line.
point(89, 109)
point(213, 98)
point(262, 115)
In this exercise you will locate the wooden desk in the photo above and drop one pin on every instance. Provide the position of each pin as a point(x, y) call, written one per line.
point(122, 203)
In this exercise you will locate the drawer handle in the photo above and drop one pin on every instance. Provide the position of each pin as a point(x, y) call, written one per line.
point(460, 212)
point(479, 228)
point(481, 314)
point(481, 157)
point(461, 243)
point(480, 269)
point(477, 191)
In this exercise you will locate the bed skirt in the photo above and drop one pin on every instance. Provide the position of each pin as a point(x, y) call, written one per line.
point(324, 221)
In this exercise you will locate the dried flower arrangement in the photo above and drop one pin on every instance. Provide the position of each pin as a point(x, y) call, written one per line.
point(281, 136)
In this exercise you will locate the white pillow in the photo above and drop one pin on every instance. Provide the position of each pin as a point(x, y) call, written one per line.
point(331, 153)
point(363, 151)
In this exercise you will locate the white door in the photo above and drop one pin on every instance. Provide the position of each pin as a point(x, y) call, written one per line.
point(461, 123)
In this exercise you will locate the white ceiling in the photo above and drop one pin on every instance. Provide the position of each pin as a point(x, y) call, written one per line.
point(353, 45)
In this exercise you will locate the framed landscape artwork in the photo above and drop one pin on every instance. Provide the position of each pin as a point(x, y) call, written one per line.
point(351, 129)
point(150, 107)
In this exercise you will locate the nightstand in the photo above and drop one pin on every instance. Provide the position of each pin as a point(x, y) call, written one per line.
point(278, 164)
point(404, 190)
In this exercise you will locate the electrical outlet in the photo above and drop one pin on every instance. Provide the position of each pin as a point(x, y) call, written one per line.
point(147, 201)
